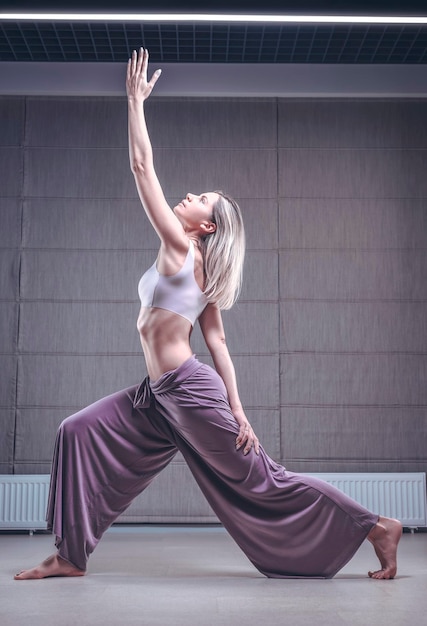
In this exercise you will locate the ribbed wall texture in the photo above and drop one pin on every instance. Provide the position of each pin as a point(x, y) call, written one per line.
point(329, 338)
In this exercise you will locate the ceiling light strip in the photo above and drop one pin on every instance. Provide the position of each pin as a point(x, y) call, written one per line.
point(202, 17)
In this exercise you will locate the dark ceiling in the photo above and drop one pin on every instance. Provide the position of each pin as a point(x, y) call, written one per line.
point(191, 42)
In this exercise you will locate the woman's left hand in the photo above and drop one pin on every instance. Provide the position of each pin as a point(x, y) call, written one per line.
point(246, 436)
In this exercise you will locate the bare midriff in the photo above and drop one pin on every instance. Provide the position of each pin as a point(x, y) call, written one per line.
point(165, 340)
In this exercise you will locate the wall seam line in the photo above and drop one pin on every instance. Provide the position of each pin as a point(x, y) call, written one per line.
point(18, 298)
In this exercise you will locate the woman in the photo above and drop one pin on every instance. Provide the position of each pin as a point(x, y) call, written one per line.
point(105, 455)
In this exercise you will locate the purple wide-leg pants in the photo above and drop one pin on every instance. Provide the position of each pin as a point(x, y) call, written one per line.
point(105, 455)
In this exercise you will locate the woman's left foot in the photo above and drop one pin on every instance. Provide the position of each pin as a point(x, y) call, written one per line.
point(52, 566)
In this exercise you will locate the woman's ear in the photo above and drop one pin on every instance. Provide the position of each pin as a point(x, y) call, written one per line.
point(208, 227)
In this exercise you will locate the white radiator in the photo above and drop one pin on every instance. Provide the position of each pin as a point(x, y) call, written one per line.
point(399, 495)
point(23, 498)
point(23, 501)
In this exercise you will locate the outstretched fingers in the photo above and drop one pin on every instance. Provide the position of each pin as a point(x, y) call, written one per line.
point(155, 77)
point(133, 62)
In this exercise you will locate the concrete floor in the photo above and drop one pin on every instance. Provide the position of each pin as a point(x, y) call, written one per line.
point(197, 576)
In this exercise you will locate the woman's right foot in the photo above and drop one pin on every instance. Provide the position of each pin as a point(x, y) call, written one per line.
point(385, 537)
point(52, 566)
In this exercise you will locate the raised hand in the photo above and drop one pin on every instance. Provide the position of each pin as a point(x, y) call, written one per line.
point(137, 84)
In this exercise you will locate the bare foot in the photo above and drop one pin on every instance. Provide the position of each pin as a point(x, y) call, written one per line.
point(385, 537)
point(52, 566)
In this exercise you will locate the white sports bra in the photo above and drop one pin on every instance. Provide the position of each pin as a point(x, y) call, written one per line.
point(178, 293)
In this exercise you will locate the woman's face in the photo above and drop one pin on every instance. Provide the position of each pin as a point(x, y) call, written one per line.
point(195, 211)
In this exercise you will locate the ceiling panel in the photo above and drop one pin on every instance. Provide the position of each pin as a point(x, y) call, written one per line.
point(213, 42)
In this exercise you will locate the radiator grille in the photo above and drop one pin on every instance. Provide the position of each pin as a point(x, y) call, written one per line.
point(23, 498)
point(400, 495)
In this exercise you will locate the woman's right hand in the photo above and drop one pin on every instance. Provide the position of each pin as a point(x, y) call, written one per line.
point(246, 435)
point(137, 84)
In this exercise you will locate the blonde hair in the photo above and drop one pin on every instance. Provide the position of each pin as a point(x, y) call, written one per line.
point(224, 253)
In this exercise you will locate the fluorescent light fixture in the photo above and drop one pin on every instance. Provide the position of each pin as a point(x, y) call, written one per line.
point(201, 17)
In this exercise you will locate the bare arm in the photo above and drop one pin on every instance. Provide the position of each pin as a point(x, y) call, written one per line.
point(152, 197)
point(214, 335)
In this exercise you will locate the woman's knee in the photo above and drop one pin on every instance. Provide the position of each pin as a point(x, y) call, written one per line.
point(108, 409)
point(76, 423)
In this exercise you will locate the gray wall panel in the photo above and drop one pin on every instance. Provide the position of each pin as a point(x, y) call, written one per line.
point(75, 173)
point(343, 223)
point(8, 326)
point(173, 493)
point(11, 137)
point(96, 275)
point(252, 328)
point(261, 276)
point(258, 379)
point(35, 432)
point(77, 122)
point(79, 328)
point(266, 424)
point(11, 167)
point(179, 123)
point(320, 463)
point(353, 326)
point(12, 122)
point(10, 222)
point(336, 379)
point(319, 173)
point(260, 217)
point(118, 224)
point(39, 467)
point(352, 123)
point(87, 224)
point(214, 123)
point(9, 274)
point(78, 173)
point(350, 274)
point(198, 344)
point(354, 434)
point(241, 173)
point(7, 381)
point(74, 381)
point(32, 468)
point(365, 465)
point(7, 421)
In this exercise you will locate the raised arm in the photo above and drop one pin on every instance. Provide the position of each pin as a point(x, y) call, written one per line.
point(138, 89)
point(214, 335)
